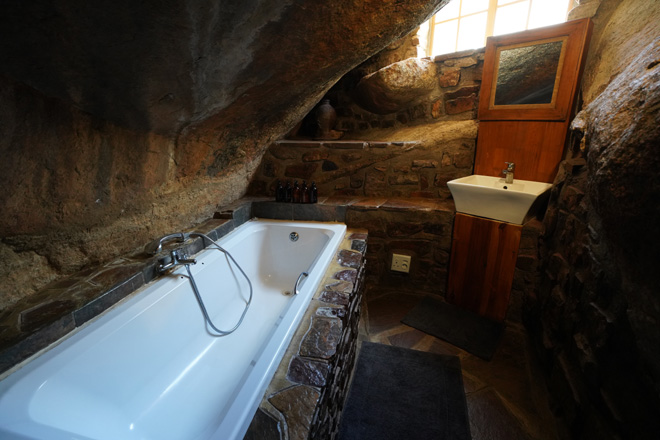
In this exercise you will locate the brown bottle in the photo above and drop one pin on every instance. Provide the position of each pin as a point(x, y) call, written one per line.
point(296, 192)
point(279, 192)
point(313, 193)
point(304, 193)
point(288, 192)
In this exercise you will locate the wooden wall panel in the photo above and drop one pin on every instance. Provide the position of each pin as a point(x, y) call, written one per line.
point(483, 259)
point(576, 34)
point(536, 147)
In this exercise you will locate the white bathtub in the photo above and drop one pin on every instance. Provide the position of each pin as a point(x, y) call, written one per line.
point(149, 369)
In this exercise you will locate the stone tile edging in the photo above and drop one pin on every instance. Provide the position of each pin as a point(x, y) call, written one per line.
point(38, 321)
point(305, 398)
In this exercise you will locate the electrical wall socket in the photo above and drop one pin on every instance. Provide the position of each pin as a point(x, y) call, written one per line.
point(401, 263)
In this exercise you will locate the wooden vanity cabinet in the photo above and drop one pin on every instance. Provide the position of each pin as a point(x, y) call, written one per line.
point(483, 259)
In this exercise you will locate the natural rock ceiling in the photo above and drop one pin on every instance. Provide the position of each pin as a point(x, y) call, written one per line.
point(164, 68)
point(131, 119)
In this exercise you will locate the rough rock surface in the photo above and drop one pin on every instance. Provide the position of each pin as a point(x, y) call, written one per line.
point(399, 50)
point(620, 34)
point(598, 313)
point(123, 121)
point(163, 68)
point(621, 135)
point(622, 130)
point(397, 86)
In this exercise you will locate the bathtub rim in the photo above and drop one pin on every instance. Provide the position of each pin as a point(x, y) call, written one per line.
point(77, 328)
point(245, 411)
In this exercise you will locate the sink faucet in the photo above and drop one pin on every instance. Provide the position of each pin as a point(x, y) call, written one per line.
point(176, 257)
point(508, 173)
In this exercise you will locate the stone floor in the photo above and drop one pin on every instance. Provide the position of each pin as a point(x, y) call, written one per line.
point(504, 400)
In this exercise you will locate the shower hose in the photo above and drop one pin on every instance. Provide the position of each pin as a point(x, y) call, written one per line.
point(199, 297)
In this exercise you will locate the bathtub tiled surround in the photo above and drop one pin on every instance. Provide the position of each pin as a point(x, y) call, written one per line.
point(418, 226)
point(38, 321)
point(306, 396)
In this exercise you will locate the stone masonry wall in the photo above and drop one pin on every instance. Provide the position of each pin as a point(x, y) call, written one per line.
point(389, 156)
point(305, 398)
point(595, 319)
point(454, 96)
point(421, 232)
point(420, 166)
point(412, 152)
point(421, 228)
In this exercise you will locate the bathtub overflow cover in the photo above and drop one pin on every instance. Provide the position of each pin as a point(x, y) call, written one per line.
point(294, 236)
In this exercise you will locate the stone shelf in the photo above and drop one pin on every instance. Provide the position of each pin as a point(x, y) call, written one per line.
point(343, 144)
point(334, 208)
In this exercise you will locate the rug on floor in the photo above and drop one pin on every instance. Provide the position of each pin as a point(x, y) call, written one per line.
point(462, 328)
point(399, 393)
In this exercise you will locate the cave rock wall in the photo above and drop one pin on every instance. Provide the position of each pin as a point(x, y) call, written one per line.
point(597, 315)
point(123, 121)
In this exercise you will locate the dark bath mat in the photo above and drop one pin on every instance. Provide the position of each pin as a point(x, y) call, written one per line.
point(462, 328)
point(398, 393)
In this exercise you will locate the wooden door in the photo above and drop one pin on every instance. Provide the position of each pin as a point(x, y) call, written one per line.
point(483, 259)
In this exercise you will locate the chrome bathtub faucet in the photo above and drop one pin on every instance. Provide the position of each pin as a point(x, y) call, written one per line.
point(177, 257)
point(174, 259)
point(508, 173)
point(157, 245)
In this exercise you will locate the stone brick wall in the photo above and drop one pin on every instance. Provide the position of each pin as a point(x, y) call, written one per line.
point(581, 320)
point(526, 277)
point(409, 153)
point(595, 317)
point(418, 166)
point(305, 398)
point(423, 233)
point(455, 97)
point(421, 228)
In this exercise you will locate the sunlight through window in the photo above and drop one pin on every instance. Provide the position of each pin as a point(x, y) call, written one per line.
point(511, 18)
point(470, 32)
point(465, 24)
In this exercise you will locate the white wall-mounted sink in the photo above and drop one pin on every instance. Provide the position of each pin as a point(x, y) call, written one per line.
point(491, 197)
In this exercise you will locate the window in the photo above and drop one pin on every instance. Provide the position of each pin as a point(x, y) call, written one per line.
point(465, 24)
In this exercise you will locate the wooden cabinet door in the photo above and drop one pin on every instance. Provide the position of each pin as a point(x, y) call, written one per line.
point(483, 259)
